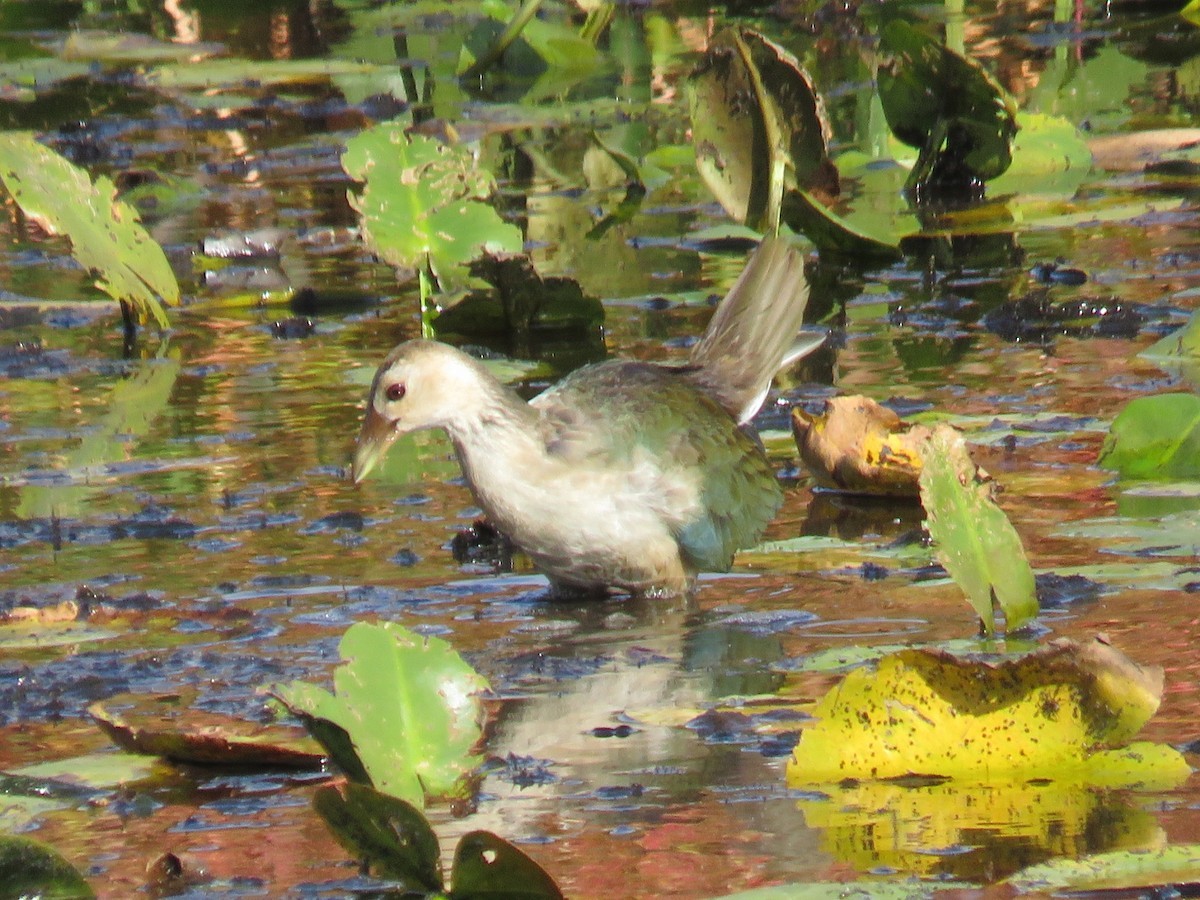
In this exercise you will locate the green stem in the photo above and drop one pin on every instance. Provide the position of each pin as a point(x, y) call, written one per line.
point(511, 31)
point(427, 281)
point(598, 20)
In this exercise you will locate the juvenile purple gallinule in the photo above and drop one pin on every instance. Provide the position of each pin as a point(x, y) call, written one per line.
point(625, 474)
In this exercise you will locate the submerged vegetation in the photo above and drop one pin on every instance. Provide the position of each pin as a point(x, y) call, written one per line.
point(534, 182)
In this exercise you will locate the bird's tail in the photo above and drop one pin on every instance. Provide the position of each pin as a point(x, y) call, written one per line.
point(753, 331)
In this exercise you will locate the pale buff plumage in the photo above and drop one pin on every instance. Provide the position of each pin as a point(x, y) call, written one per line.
point(624, 474)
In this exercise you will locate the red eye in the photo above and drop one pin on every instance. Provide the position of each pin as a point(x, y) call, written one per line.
point(394, 392)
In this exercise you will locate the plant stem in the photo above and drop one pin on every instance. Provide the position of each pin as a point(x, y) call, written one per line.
point(511, 32)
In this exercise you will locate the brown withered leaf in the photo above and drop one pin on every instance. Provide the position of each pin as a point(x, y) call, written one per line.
point(860, 447)
point(170, 726)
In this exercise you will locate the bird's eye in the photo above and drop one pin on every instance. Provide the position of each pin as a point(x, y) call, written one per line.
point(394, 392)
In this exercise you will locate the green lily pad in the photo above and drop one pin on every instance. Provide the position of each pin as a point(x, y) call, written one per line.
point(421, 202)
point(1179, 344)
point(106, 235)
point(1175, 534)
point(1049, 156)
point(34, 635)
point(973, 538)
point(1155, 437)
point(96, 770)
point(409, 704)
point(1042, 715)
point(29, 868)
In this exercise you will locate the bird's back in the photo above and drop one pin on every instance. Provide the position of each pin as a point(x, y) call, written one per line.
point(710, 480)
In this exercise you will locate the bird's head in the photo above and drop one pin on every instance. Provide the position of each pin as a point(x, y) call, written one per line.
point(421, 384)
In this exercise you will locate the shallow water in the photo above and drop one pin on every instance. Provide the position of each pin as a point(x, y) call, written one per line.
point(193, 497)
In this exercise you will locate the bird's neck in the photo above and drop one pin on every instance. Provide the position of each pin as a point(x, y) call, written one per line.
point(497, 431)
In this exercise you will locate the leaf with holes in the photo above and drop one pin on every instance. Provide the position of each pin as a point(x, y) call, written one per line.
point(422, 202)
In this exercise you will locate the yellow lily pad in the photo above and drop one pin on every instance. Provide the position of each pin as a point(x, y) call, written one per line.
point(1043, 715)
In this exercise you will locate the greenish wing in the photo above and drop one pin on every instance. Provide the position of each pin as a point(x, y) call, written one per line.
point(602, 414)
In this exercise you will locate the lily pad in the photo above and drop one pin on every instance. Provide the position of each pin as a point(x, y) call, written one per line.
point(1042, 715)
point(96, 770)
point(1183, 343)
point(421, 202)
point(29, 868)
point(973, 538)
point(1120, 870)
point(1155, 437)
point(395, 841)
point(168, 726)
point(409, 704)
point(107, 237)
point(486, 865)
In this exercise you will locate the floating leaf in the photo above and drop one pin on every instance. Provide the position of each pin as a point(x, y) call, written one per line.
point(29, 868)
point(946, 106)
point(108, 46)
point(409, 705)
point(830, 232)
point(486, 865)
point(106, 235)
point(169, 727)
point(1183, 342)
point(973, 538)
point(1155, 437)
point(1122, 870)
point(1049, 156)
point(96, 770)
point(387, 834)
point(1042, 715)
point(420, 202)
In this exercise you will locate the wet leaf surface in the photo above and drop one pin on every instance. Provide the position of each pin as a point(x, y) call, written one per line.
point(168, 726)
point(106, 235)
point(972, 537)
point(1155, 437)
point(1042, 715)
point(207, 512)
point(29, 868)
point(409, 706)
